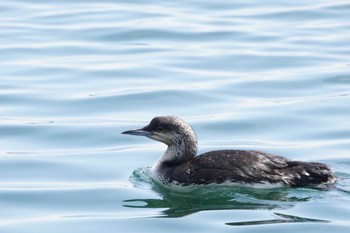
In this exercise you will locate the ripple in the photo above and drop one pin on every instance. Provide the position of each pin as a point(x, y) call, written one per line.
point(271, 76)
point(283, 218)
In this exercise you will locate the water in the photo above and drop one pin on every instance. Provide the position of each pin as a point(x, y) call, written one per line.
point(271, 75)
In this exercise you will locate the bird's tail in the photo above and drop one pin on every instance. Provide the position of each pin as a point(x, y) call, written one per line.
point(316, 175)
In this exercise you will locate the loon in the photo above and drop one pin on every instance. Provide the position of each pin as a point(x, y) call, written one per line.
point(180, 164)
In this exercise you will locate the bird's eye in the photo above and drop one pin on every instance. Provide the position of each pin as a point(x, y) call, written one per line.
point(160, 128)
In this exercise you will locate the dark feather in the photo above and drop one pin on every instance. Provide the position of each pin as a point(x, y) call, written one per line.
point(246, 167)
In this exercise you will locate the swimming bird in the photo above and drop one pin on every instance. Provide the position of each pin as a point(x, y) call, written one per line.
point(180, 164)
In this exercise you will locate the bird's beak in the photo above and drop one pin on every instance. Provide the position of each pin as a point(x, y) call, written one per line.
point(137, 132)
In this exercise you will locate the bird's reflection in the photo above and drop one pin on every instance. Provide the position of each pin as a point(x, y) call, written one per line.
point(179, 204)
point(182, 206)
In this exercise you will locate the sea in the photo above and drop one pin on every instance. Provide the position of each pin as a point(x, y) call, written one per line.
point(264, 75)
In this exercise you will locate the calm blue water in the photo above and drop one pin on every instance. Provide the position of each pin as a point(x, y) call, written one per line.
point(267, 75)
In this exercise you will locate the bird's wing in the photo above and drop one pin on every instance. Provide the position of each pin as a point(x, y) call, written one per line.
point(232, 166)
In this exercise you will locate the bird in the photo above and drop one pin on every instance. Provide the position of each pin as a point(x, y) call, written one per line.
point(181, 166)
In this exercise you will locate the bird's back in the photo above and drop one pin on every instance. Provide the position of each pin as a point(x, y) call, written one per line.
point(247, 167)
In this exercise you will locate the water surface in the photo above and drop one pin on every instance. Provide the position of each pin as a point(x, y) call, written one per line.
point(271, 76)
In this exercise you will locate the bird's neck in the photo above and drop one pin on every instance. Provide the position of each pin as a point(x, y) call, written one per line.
point(177, 153)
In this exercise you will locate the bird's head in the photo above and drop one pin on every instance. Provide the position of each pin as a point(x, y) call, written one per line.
point(170, 130)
